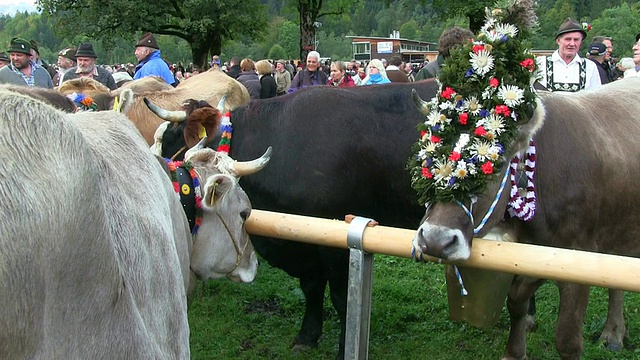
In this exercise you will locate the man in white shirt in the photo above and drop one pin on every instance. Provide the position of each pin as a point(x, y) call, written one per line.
point(565, 70)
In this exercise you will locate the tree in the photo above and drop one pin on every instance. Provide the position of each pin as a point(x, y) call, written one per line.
point(204, 24)
point(311, 11)
point(472, 10)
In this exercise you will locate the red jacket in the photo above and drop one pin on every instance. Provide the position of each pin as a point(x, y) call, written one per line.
point(345, 82)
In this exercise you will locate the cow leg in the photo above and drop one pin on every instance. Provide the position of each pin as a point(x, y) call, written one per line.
point(574, 299)
point(531, 314)
point(522, 289)
point(311, 330)
point(338, 289)
point(614, 329)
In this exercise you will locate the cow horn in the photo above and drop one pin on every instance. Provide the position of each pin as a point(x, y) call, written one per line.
point(173, 116)
point(223, 99)
point(422, 105)
point(242, 168)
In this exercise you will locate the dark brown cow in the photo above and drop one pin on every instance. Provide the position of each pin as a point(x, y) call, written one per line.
point(587, 163)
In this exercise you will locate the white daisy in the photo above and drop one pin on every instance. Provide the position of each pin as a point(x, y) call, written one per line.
point(507, 29)
point(482, 62)
point(463, 140)
point(494, 124)
point(443, 170)
point(461, 171)
point(493, 35)
point(430, 147)
point(433, 118)
point(488, 93)
point(481, 149)
point(511, 95)
point(494, 153)
point(472, 105)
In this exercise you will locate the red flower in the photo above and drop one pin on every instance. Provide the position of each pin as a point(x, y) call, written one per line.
point(528, 64)
point(477, 48)
point(480, 131)
point(422, 134)
point(487, 168)
point(448, 93)
point(435, 139)
point(494, 82)
point(502, 110)
point(454, 156)
point(463, 118)
point(426, 173)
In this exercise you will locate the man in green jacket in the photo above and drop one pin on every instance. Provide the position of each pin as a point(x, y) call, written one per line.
point(23, 71)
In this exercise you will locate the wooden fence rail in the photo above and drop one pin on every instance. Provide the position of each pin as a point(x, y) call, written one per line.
point(610, 271)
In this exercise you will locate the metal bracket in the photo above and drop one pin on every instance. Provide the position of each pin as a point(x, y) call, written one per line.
point(355, 232)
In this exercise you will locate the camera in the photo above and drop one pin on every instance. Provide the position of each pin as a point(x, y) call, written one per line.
point(350, 72)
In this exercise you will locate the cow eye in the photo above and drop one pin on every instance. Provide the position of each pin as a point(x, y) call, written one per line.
point(245, 214)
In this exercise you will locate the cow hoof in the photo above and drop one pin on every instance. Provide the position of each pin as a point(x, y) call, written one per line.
point(507, 357)
point(611, 342)
point(300, 348)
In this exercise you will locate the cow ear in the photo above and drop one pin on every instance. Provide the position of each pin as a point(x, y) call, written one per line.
point(527, 130)
point(124, 101)
point(207, 118)
point(216, 187)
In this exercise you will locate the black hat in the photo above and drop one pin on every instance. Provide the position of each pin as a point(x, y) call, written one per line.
point(4, 57)
point(637, 37)
point(597, 49)
point(20, 45)
point(69, 53)
point(34, 46)
point(86, 50)
point(571, 25)
point(148, 40)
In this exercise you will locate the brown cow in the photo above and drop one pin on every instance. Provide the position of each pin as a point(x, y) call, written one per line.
point(586, 146)
point(209, 86)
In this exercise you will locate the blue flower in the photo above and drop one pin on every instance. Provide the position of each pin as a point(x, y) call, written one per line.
point(452, 181)
point(436, 127)
point(469, 73)
point(459, 103)
point(501, 148)
point(484, 113)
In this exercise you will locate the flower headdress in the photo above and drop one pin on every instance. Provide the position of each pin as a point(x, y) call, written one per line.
point(485, 91)
point(83, 102)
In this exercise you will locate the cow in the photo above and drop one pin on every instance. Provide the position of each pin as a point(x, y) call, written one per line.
point(208, 86)
point(335, 152)
point(586, 146)
point(49, 96)
point(97, 259)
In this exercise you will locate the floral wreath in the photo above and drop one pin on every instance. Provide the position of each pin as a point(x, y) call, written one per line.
point(484, 92)
point(83, 102)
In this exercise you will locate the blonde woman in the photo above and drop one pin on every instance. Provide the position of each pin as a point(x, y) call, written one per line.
point(268, 85)
point(376, 73)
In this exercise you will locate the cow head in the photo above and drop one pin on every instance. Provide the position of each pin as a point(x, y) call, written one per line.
point(222, 246)
point(448, 227)
point(184, 128)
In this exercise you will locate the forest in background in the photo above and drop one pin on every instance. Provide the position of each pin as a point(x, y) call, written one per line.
point(280, 37)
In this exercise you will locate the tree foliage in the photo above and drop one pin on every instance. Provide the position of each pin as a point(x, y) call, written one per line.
point(204, 24)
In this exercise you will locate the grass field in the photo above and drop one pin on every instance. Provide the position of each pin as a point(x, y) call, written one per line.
point(409, 319)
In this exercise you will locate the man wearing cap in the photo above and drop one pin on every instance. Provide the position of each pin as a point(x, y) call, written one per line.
point(66, 61)
point(596, 53)
point(149, 61)
point(22, 70)
point(4, 59)
point(565, 70)
point(35, 57)
point(282, 77)
point(86, 60)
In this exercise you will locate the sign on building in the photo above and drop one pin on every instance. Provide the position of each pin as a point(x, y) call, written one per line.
point(385, 47)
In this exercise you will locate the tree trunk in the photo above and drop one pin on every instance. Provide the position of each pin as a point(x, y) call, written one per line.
point(307, 30)
point(203, 46)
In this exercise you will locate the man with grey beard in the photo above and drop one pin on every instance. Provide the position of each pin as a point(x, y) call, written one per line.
point(86, 59)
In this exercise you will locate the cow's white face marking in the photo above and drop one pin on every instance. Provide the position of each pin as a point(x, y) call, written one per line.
point(442, 242)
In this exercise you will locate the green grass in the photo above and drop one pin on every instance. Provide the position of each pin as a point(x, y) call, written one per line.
point(409, 319)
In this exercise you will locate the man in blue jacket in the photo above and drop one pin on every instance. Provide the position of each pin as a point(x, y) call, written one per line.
point(150, 63)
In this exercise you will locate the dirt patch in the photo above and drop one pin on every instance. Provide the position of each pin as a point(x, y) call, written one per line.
point(265, 306)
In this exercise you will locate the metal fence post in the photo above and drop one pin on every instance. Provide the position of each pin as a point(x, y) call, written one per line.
point(359, 293)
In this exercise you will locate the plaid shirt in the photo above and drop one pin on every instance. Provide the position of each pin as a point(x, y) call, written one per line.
point(30, 80)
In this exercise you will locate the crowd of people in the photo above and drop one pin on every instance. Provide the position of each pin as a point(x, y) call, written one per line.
point(563, 70)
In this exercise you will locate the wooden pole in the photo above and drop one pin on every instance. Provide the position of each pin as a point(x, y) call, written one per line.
point(609, 271)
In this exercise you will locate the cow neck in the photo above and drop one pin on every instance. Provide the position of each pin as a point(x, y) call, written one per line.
point(187, 185)
point(227, 130)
